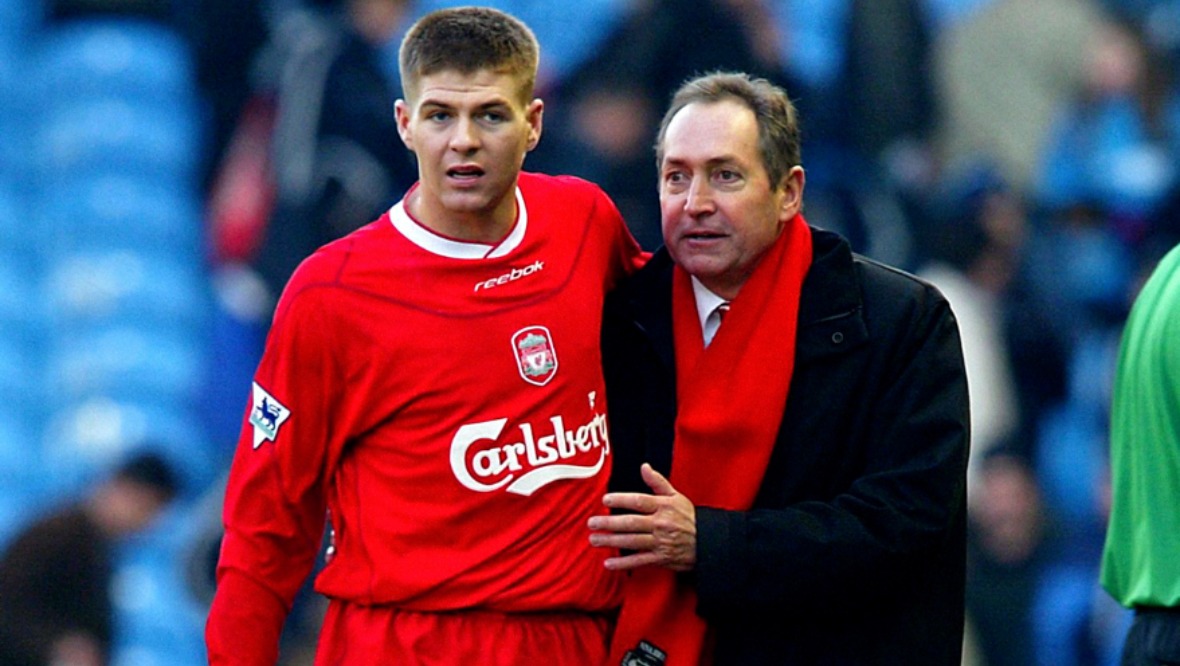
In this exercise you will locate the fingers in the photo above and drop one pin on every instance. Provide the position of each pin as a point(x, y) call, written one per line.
point(643, 502)
point(652, 529)
point(637, 542)
point(638, 502)
point(632, 561)
point(623, 523)
point(658, 483)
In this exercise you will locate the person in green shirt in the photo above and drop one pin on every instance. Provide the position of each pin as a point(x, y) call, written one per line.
point(1141, 559)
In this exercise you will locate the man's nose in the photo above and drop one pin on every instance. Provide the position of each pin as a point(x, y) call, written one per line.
point(465, 137)
point(699, 199)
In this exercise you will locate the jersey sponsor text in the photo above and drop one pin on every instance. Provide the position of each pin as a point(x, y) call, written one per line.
point(534, 461)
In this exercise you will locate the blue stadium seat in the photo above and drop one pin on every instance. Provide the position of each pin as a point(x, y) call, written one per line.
point(123, 210)
point(12, 105)
point(14, 226)
point(20, 471)
point(21, 382)
point(18, 448)
point(16, 510)
point(157, 615)
point(16, 121)
point(112, 134)
point(85, 440)
point(160, 650)
point(100, 285)
point(161, 364)
point(21, 308)
point(17, 19)
point(123, 56)
point(9, 220)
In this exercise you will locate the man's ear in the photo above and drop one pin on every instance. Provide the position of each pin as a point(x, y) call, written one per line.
point(402, 111)
point(792, 188)
point(535, 114)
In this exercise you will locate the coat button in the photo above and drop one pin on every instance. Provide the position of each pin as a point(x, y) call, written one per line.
point(837, 338)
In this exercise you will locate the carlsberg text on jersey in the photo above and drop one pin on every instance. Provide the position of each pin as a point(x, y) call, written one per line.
point(538, 460)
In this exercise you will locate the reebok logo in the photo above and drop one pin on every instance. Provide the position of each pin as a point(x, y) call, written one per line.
point(510, 276)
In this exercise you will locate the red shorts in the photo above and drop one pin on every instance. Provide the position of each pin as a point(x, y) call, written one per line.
point(359, 635)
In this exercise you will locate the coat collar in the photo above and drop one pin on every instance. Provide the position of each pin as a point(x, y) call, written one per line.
point(831, 317)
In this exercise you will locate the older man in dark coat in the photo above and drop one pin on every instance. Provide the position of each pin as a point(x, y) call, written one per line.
point(791, 482)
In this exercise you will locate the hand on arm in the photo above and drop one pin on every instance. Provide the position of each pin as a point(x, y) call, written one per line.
point(661, 530)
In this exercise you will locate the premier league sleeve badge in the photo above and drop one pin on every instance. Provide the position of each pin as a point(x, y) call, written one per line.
point(267, 415)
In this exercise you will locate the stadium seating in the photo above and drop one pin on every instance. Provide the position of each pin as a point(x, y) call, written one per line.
point(124, 210)
point(136, 60)
point(85, 439)
point(110, 134)
point(104, 303)
point(116, 284)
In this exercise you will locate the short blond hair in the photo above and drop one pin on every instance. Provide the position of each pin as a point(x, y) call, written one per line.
point(467, 40)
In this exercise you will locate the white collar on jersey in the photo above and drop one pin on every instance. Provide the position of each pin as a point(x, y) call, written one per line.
point(428, 240)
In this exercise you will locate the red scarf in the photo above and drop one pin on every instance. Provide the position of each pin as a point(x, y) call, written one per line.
point(731, 398)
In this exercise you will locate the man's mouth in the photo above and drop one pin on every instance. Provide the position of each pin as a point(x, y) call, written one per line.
point(465, 172)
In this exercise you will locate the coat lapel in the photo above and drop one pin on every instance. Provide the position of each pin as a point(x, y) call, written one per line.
point(831, 311)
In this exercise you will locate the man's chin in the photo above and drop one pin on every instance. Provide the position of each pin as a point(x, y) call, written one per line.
point(701, 264)
point(470, 201)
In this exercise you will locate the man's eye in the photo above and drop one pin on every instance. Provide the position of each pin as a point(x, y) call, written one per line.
point(727, 176)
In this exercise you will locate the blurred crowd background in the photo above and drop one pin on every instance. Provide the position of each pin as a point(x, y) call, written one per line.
point(165, 165)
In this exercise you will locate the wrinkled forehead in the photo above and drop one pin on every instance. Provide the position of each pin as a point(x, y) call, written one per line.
point(710, 131)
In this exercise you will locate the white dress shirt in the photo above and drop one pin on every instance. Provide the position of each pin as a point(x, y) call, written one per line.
point(707, 304)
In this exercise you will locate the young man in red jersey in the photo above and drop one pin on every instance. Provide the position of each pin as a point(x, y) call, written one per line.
point(432, 384)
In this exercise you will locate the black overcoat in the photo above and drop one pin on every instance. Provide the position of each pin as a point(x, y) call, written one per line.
point(854, 550)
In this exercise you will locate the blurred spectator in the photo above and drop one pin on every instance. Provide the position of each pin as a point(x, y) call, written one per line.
point(1003, 543)
point(601, 122)
point(315, 154)
point(973, 250)
point(570, 33)
point(226, 36)
point(1069, 287)
point(55, 577)
point(337, 160)
point(1074, 622)
point(860, 73)
point(888, 94)
point(944, 14)
point(1003, 72)
point(860, 68)
point(1116, 142)
point(325, 133)
point(1163, 232)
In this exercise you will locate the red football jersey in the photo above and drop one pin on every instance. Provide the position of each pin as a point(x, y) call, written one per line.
point(443, 403)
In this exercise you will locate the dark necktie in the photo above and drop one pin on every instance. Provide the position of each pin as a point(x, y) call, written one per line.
point(722, 310)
